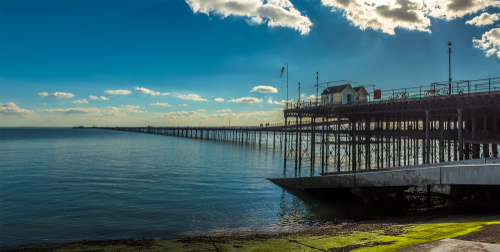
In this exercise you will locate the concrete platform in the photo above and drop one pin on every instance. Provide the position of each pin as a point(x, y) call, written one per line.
point(465, 174)
point(445, 245)
point(479, 178)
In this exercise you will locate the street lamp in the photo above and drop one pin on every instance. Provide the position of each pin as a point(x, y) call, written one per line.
point(449, 64)
point(299, 94)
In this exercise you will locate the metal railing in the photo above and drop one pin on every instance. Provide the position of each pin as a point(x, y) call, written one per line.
point(434, 90)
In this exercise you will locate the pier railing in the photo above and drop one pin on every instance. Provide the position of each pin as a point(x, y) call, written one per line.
point(432, 91)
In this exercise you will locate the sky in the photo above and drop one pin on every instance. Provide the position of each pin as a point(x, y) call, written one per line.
point(218, 62)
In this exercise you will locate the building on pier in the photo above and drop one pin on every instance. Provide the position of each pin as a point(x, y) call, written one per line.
point(344, 94)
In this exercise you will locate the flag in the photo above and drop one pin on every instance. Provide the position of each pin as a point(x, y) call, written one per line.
point(283, 68)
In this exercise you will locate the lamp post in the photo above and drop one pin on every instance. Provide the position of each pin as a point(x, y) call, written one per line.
point(317, 88)
point(449, 64)
point(299, 92)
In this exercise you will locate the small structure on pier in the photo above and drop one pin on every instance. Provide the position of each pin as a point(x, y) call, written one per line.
point(338, 94)
point(361, 93)
point(343, 94)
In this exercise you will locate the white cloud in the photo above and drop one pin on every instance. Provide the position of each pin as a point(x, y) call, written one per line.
point(118, 92)
point(387, 15)
point(270, 101)
point(273, 12)
point(223, 110)
point(80, 101)
point(105, 111)
point(490, 42)
point(201, 110)
point(165, 93)
point(57, 95)
point(93, 97)
point(484, 19)
point(11, 108)
point(310, 97)
point(193, 97)
point(161, 104)
point(183, 105)
point(264, 89)
point(129, 106)
point(42, 103)
point(450, 9)
point(180, 114)
point(219, 99)
point(146, 91)
point(246, 100)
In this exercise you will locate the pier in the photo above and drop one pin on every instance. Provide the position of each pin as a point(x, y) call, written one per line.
point(444, 136)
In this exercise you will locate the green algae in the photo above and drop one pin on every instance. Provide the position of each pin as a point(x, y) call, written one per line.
point(448, 227)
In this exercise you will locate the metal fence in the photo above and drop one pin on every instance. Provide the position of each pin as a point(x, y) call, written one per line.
point(434, 90)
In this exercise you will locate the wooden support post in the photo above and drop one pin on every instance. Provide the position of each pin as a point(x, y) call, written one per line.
point(260, 137)
point(367, 143)
point(327, 144)
point(313, 142)
point(427, 137)
point(323, 144)
point(486, 147)
point(300, 142)
point(460, 138)
point(441, 141)
point(353, 144)
point(338, 143)
point(475, 147)
point(494, 147)
point(296, 141)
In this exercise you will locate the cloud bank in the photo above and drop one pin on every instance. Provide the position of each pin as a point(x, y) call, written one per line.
point(80, 101)
point(484, 19)
point(58, 95)
point(246, 100)
point(11, 108)
point(161, 104)
point(490, 42)
point(105, 111)
point(118, 92)
point(387, 15)
point(193, 97)
point(264, 89)
point(146, 91)
point(276, 13)
point(93, 97)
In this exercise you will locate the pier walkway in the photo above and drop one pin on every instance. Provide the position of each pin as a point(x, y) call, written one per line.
point(444, 136)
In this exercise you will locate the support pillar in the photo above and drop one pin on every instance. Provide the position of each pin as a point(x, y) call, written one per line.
point(427, 137)
point(460, 137)
point(486, 147)
point(323, 145)
point(475, 147)
point(494, 147)
point(353, 144)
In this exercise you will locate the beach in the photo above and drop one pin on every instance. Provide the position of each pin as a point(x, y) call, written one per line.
point(385, 234)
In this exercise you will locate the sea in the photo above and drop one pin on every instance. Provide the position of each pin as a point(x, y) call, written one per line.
point(63, 185)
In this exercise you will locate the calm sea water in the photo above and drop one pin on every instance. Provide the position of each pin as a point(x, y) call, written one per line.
point(60, 185)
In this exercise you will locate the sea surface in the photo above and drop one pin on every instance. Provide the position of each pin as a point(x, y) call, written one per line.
point(61, 185)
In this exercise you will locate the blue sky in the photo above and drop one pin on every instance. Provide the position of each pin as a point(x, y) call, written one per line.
point(62, 62)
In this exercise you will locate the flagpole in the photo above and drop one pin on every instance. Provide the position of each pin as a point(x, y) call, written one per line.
point(286, 83)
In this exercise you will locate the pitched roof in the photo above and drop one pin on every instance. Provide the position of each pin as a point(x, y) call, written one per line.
point(357, 88)
point(335, 89)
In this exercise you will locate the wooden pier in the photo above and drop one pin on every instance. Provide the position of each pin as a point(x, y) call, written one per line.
point(438, 124)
